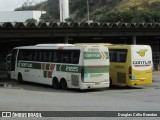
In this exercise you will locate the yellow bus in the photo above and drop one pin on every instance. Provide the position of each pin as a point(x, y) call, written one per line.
point(130, 65)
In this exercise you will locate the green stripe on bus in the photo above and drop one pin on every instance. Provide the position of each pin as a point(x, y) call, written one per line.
point(96, 55)
point(65, 68)
point(29, 65)
point(47, 66)
point(96, 69)
point(68, 68)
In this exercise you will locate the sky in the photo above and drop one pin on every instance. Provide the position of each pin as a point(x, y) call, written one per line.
point(10, 5)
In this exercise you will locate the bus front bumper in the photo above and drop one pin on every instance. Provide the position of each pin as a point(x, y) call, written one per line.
point(141, 82)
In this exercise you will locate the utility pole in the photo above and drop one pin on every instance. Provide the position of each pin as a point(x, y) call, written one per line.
point(88, 10)
point(64, 10)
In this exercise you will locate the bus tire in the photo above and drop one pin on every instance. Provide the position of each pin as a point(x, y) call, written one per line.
point(63, 84)
point(55, 83)
point(20, 78)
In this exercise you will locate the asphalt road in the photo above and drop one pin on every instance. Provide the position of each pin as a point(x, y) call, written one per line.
point(36, 97)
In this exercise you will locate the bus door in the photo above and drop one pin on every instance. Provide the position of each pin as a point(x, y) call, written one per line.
point(141, 64)
point(8, 62)
point(96, 64)
point(13, 59)
point(118, 66)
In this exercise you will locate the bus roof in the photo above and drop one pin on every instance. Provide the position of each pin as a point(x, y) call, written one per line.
point(56, 46)
point(52, 45)
point(108, 44)
point(97, 44)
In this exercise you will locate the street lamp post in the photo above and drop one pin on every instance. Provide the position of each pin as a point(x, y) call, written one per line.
point(88, 10)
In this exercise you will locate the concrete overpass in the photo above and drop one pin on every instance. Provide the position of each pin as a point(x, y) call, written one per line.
point(18, 34)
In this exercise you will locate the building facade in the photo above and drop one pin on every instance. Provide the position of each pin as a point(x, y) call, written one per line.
point(20, 16)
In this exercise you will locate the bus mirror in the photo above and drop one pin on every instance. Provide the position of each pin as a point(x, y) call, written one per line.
point(8, 58)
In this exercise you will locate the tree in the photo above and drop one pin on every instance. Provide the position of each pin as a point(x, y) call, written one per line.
point(156, 17)
point(110, 17)
point(53, 9)
point(31, 20)
point(45, 18)
point(69, 20)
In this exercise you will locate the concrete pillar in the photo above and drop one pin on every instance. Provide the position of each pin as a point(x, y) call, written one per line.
point(134, 39)
point(64, 10)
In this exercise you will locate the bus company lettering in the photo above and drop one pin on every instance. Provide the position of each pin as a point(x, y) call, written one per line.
point(93, 49)
point(142, 62)
point(27, 65)
point(71, 69)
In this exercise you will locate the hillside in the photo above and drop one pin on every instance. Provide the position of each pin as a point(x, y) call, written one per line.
point(139, 5)
point(105, 10)
point(39, 6)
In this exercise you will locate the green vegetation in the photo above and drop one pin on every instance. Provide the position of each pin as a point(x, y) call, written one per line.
point(40, 6)
point(130, 11)
point(31, 20)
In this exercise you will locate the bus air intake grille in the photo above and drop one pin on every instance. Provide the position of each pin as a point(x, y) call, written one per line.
point(75, 80)
point(121, 77)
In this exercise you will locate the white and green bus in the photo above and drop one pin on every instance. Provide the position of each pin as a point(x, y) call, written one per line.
point(62, 65)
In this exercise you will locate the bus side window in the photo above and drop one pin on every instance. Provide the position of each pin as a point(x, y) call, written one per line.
point(40, 56)
point(57, 56)
point(30, 55)
point(46, 56)
point(35, 56)
point(118, 55)
point(69, 56)
point(122, 56)
point(54, 58)
point(113, 56)
point(62, 57)
point(66, 56)
point(20, 55)
point(25, 55)
point(50, 56)
point(75, 57)
point(72, 58)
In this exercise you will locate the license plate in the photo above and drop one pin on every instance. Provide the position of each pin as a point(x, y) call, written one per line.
point(142, 80)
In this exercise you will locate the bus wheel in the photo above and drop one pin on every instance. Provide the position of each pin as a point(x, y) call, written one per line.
point(55, 83)
point(20, 79)
point(63, 84)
